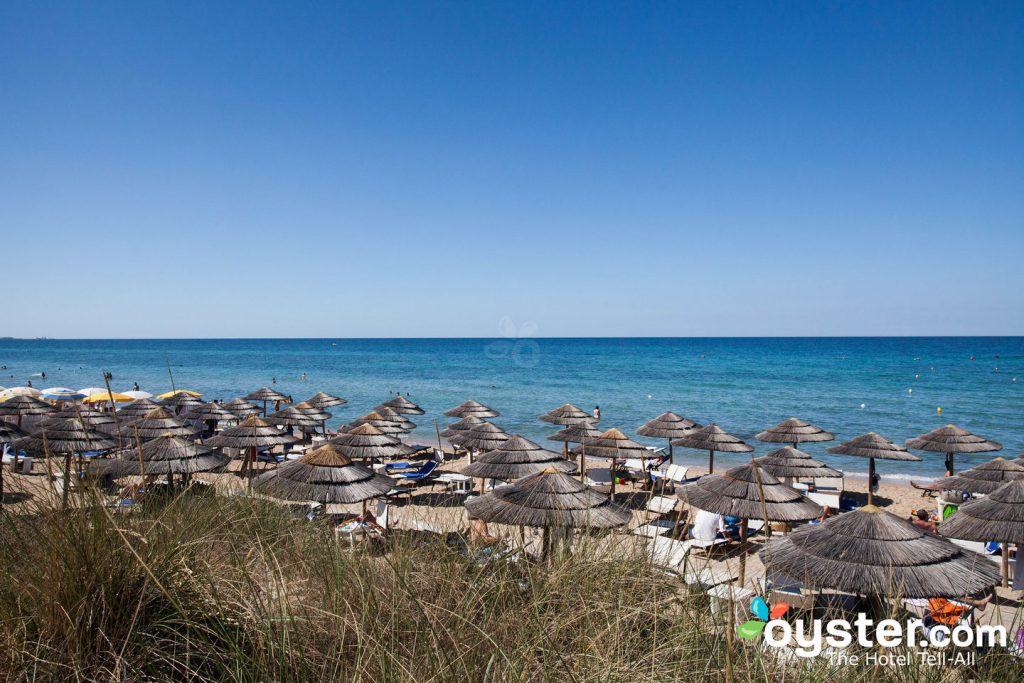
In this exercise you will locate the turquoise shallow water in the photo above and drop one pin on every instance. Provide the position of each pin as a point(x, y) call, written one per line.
point(846, 385)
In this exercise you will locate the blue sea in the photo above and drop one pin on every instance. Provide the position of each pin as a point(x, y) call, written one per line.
point(894, 386)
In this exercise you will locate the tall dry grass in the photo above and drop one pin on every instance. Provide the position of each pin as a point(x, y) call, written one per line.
point(235, 589)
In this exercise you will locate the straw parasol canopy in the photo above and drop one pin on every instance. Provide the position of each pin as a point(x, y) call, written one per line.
point(611, 444)
point(325, 475)
point(577, 433)
point(182, 401)
point(790, 463)
point(93, 418)
point(516, 458)
point(137, 408)
point(736, 492)
point(669, 426)
point(252, 432)
point(65, 435)
point(403, 406)
point(265, 394)
point(998, 516)
point(871, 446)
point(295, 416)
point(463, 425)
point(367, 442)
point(566, 414)
point(25, 405)
point(872, 552)
point(483, 437)
point(241, 408)
point(170, 454)
point(379, 421)
point(9, 432)
point(712, 439)
point(390, 414)
point(952, 440)
point(211, 412)
point(547, 499)
point(471, 408)
point(984, 478)
point(795, 430)
point(322, 399)
point(158, 422)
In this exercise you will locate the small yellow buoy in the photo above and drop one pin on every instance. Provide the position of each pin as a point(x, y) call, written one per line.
point(938, 409)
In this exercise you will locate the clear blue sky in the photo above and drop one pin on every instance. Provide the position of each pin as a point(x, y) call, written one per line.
point(428, 169)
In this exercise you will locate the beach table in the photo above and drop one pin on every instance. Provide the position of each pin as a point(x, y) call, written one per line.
point(455, 482)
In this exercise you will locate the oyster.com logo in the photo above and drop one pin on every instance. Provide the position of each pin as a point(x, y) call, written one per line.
point(763, 613)
point(930, 642)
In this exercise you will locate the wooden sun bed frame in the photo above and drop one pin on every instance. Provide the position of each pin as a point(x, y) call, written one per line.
point(927, 490)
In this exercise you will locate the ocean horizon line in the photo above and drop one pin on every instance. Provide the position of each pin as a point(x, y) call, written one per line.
point(551, 337)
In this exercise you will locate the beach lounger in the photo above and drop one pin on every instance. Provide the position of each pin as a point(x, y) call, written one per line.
point(418, 475)
point(669, 555)
point(927, 490)
point(665, 517)
point(599, 476)
point(674, 475)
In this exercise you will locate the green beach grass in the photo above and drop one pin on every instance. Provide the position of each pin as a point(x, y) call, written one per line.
point(205, 588)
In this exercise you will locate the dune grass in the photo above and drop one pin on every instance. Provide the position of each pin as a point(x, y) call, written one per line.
point(235, 589)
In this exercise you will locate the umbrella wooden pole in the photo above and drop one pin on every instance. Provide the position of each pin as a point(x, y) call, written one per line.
point(871, 480)
point(743, 551)
point(583, 463)
point(1006, 564)
point(670, 451)
point(711, 462)
point(113, 409)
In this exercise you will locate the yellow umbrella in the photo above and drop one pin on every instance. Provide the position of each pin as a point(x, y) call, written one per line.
point(179, 391)
point(106, 397)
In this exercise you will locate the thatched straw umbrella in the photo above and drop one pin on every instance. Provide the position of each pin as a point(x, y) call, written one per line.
point(998, 517)
point(577, 433)
point(669, 426)
point(169, 454)
point(390, 414)
point(158, 422)
point(68, 436)
point(324, 400)
point(266, 394)
point(748, 492)
point(712, 439)
point(951, 440)
point(298, 415)
point(367, 442)
point(614, 445)
point(210, 414)
point(567, 414)
point(250, 435)
point(790, 463)
point(94, 418)
point(377, 420)
point(871, 446)
point(241, 408)
point(548, 499)
point(181, 402)
point(22, 406)
point(483, 437)
point(463, 425)
point(516, 458)
point(872, 552)
point(8, 434)
point(137, 408)
point(403, 406)
point(324, 475)
point(795, 430)
point(471, 408)
point(984, 478)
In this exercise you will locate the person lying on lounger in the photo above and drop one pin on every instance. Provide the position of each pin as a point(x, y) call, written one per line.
point(950, 612)
point(924, 521)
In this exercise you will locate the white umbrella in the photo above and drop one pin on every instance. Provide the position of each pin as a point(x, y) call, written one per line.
point(19, 391)
point(137, 394)
point(89, 391)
